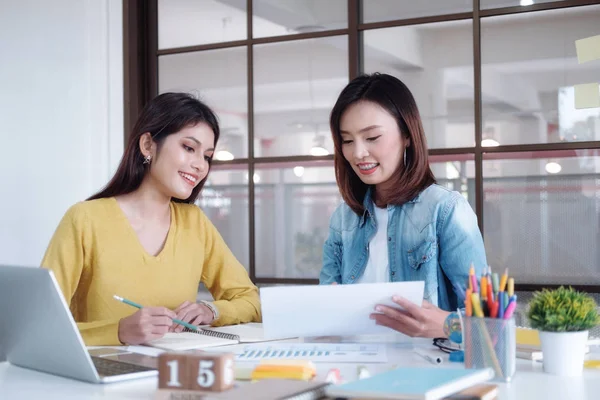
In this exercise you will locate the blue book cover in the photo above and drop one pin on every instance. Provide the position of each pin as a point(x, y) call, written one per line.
point(413, 383)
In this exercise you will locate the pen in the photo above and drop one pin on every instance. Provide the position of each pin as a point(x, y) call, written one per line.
point(510, 309)
point(502, 305)
point(432, 359)
point(474, 285)
point(136, 305)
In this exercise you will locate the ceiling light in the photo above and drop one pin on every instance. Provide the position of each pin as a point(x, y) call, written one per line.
point(223, 155)
point(256, 178)
point(489, 142)
point(299, 171)
point(526, 2)
point(489, 137)
point(318, 151)
point(318, 148)
point(553, 167)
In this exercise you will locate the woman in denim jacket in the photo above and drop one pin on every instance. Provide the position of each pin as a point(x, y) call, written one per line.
point(396, 223)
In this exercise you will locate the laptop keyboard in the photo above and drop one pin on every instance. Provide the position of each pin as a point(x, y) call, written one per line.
point(111, 367)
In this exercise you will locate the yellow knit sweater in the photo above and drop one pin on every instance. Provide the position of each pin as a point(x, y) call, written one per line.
point(95, 254)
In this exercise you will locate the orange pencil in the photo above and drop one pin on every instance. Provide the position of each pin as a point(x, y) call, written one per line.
point(490, 296)
point(484, 287)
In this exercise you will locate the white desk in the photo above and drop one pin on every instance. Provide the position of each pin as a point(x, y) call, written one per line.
point(529, 382)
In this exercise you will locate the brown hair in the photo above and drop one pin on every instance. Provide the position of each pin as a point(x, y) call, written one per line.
point(394, 97)
point(164, 115)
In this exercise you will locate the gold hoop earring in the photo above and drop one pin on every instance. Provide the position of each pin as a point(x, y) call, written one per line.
point(147, 159)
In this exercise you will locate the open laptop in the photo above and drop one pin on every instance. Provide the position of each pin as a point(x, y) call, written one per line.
point(37, 331)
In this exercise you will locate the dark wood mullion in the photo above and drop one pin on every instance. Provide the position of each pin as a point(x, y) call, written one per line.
point(415, 21)
point(266, 40)
point(532, 287)
point(518, 287)
point(251, 186)
point(478, 115)
point(152, 50)
point(300, 36)
point(287, 281)
point(543, 147)
point(136, 62)
point(131, 65)
point(202, 47)
point(353, 39)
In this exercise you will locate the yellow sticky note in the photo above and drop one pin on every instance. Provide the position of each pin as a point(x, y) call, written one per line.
point(587, 95)
point(588, 49)
point(591, 364)
point(529, 338)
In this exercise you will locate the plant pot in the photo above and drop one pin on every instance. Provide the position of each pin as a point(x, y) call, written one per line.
point(563, 352)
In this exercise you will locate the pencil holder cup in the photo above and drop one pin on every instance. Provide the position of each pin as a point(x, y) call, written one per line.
point(490, 343)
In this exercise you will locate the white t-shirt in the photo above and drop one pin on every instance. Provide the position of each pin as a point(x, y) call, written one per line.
point(378, 266)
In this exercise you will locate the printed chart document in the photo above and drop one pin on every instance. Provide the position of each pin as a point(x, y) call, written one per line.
point(316, 352)
point(329, 310)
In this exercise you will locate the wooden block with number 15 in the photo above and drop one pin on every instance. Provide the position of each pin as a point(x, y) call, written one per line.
point(195, 371)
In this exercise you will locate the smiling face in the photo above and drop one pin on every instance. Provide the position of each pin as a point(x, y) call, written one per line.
point(182, 160)
point(372, 142)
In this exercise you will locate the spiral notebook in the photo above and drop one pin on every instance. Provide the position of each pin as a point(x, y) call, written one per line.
point(211, 337)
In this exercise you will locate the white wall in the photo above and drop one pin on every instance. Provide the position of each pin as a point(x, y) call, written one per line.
point(61, 114)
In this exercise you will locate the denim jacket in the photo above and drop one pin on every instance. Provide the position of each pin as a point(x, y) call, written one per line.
point(433, 237)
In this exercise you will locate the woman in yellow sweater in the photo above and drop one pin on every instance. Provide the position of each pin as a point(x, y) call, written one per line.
point(142, 237)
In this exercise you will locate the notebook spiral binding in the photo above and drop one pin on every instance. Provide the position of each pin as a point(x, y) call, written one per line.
point(208, 332)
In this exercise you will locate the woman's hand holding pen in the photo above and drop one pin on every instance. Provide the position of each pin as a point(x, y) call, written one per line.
point(415, 321)
point(193, 313)
point(146, 324)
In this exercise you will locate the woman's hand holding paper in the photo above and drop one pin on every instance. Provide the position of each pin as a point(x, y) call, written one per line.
point(412, 320)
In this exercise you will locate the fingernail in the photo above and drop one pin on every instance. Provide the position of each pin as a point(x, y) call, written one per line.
point(395, 298)
point(379, 308)
point(371, 316)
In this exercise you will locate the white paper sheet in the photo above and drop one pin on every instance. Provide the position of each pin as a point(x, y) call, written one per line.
point(248, 333)
point(326, 310)
point(316, 352)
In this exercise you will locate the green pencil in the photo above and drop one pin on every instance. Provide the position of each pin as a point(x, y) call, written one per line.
point(136, 305)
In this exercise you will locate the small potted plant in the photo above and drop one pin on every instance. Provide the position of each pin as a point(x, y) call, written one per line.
point(563, 317)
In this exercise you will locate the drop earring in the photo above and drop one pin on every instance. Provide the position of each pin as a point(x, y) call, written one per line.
point(147, 159)
point(405, 157)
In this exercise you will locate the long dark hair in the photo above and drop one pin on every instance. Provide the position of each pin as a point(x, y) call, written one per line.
point(164, 115)
point(392, 95)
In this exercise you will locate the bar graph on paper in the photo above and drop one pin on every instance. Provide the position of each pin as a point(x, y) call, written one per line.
point(316, 352)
